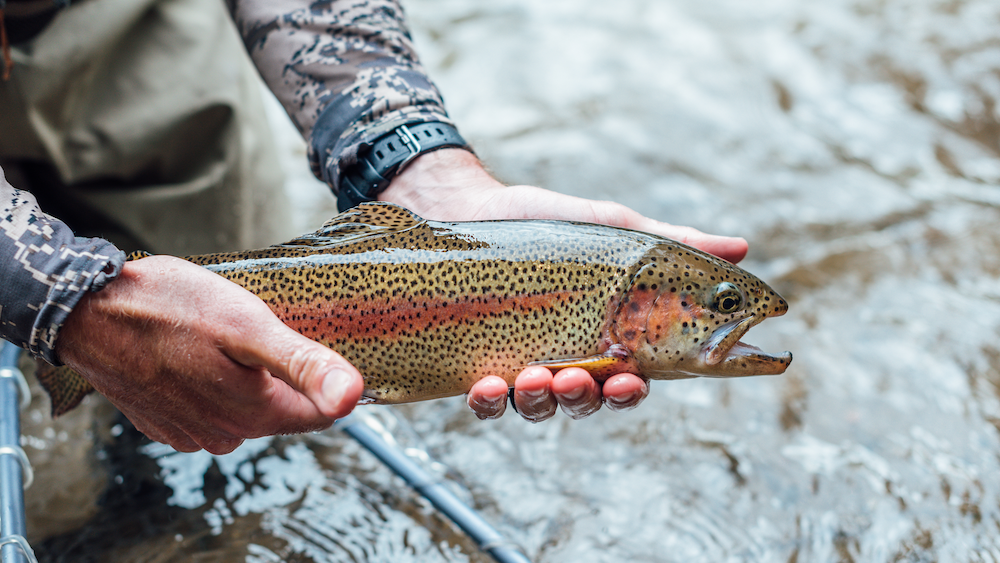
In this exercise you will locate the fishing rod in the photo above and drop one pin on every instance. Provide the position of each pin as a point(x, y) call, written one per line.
point(488, 539)
point(15, 471)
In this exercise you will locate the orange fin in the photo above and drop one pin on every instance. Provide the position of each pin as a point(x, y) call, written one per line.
point(616, 360)
point(65, 387)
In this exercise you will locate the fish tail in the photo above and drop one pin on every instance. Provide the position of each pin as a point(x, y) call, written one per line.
point(66, 388)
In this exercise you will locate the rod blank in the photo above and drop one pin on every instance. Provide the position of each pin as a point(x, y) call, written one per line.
point(488, 539)
point(13, 463)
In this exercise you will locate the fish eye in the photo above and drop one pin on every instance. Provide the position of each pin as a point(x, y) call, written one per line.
point(728, 298)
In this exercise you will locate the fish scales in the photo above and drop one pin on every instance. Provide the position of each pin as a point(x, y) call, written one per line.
point(428, 310)
point(425, 309)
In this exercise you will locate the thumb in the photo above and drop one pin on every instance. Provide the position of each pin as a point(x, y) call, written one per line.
point(323, 376)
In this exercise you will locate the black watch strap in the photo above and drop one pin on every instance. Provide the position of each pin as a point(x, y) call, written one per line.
point(389, 154)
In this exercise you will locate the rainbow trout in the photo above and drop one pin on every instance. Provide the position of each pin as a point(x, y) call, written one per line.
point(424, 309)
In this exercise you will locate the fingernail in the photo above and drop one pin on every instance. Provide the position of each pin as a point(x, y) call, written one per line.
point(582, 410)
point(532, 393)
point(489, 408)
point(334, 387)
point(534, 400)
point(490, 402)
point(574, 394)
point(623, 404)
point(497, 397)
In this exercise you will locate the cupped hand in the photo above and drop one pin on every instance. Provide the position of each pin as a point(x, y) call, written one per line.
point(452, 185)
point(537, 392)
point(196, 361)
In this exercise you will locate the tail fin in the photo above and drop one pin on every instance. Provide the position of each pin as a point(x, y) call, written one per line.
point(65, 387)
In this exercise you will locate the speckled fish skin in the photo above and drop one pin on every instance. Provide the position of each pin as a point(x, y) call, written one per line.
point(425, 309)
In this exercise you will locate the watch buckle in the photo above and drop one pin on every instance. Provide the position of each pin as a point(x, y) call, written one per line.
point(410, 142)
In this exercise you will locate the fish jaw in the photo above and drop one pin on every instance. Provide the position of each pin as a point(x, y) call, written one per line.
point(723, 355)
point(685, 313)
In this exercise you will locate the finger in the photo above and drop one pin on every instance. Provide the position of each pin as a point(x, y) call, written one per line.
point(213, 439)
point(183, 445)
point(221, 445)
point(488, 398)
point(328, 382)
point(178, 421)
point(533, 394)
point(572, 208)
point(577, 393)
point(625, 391)
point(163, 432)
point(206, 437)
point(732, 249)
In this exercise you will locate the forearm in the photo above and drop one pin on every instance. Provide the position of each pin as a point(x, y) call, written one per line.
point(46, 271)
point(345, 71)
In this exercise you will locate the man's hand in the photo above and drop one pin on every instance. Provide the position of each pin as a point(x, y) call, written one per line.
point(196, 361)
point(452, 185)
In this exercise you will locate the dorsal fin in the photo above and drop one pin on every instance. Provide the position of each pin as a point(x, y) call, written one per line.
point(382, 213)
point(376, 218)
point(137, 255)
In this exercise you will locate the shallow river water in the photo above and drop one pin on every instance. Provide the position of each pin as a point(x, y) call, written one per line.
point(854, 143)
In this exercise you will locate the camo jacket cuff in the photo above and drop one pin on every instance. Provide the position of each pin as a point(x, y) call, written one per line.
point(345, 71)
point(46, 271)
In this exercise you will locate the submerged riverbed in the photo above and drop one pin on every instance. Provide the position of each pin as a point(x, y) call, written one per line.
point(854, 144)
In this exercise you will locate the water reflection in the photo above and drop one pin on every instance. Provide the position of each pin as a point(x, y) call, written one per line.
point(273, 499)
point(855, 144)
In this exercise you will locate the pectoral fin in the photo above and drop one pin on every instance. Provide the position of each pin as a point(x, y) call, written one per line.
point(65, 387)
point(602, 366)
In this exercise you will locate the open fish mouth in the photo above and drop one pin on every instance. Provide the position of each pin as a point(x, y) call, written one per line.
point(725, 355)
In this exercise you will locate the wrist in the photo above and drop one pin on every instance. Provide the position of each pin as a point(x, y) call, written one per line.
point(388, 155)
point(441, 185)
point(90, 315)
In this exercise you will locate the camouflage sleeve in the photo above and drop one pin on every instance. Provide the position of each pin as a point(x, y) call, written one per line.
point(45, 272)
point(345, 71)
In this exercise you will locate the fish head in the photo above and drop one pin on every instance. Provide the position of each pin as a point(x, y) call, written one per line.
point(685, 311)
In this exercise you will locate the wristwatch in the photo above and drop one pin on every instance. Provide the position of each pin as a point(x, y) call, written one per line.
point(385, 157)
